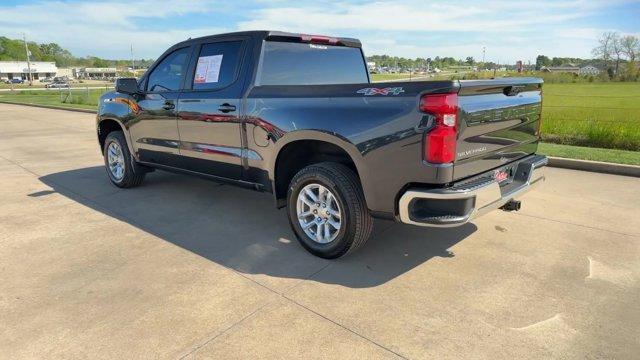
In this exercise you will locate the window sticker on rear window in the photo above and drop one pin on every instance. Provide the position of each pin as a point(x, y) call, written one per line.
point(208, 69)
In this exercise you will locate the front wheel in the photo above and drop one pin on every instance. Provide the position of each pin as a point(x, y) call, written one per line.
point(123, 171)
point(327, 210)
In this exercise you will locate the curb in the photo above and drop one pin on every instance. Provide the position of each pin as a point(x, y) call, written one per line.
point(51, 107)
point(595, 166)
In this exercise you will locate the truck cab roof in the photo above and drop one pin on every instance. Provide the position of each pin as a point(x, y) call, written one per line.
point(279, 35)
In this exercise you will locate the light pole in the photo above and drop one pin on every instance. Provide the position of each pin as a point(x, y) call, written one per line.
point(26, 48)
point(133, 63)
point(484, 49)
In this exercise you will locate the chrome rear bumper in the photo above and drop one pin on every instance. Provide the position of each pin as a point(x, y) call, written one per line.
point(464, 201)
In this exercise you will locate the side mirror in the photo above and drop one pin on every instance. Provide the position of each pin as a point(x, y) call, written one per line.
point(127, 86)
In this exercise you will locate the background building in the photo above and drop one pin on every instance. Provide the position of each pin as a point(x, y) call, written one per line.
point(371, 65)
point(561, 69)
point(589, 70)
point(95, 73)
point(65, 72)
point(19, 70)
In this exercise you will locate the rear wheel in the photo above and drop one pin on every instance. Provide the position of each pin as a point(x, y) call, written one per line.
point(327, 210)
point(123, 171)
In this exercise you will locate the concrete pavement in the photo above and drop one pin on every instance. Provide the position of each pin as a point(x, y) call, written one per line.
point(184, 267)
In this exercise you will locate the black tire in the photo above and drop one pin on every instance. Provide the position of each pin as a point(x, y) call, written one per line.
point(356, 221)
point(133, 172)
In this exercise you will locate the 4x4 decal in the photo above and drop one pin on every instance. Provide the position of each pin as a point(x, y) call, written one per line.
point(381, 91)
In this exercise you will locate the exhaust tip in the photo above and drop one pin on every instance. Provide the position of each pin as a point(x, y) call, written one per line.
point(512, 205)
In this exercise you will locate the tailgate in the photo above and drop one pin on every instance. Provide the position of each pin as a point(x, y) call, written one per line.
point(499, 122)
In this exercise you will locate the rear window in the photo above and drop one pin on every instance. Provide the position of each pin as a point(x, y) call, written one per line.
point(289, 63)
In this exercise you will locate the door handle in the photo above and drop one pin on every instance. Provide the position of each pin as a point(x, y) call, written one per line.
point(169, 105)
point(226, 107)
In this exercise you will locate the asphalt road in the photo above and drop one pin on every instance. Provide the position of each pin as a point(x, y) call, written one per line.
point(183, 267)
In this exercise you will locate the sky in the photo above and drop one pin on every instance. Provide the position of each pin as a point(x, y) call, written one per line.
point(509, 30)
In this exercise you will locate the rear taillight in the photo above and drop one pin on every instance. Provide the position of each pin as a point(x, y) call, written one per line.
point(440, 141)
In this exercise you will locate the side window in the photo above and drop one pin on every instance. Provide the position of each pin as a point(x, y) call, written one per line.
point(217, 65)
point(167, 76)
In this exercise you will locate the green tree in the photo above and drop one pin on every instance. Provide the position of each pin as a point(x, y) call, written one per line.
point(630, 47)
point(54, 52)
point(12, 49)
point(541, 61)
point(604, 50)
point(98, 62)
point(34, 52)
point(556, 61)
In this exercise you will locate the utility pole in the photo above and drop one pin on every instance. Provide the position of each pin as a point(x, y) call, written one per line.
point(484, 49)
point(133, 63)
point(26, 48)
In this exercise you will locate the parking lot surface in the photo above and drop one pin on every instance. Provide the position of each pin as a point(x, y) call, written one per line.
point(184, 267)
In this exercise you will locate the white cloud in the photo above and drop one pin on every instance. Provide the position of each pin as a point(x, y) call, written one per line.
point(105, 29)
point(411, 15)
point(511, 30)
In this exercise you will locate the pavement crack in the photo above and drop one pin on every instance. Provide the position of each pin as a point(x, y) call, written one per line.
point(20, 166)
point(212, 337)
point(345, 327)
point(303, 279)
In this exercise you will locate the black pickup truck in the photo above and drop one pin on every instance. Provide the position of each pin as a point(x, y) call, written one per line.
point(297, 116)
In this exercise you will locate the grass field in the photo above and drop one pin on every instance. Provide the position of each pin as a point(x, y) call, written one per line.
point(588, 153)
point(82, 99)
point(388, 77)
point(36, 85)
point(605, 115)
point(39, 85)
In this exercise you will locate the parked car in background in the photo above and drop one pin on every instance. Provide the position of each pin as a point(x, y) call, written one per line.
point(14, 81)
point(57, 85)
point(296, 115)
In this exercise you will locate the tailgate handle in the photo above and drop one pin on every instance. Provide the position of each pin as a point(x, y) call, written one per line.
point(513, 90)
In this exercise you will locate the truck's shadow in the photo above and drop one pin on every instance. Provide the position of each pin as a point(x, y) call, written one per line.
point(241, 229)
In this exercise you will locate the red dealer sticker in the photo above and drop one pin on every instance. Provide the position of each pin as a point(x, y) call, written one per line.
point(501, 175)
